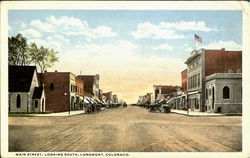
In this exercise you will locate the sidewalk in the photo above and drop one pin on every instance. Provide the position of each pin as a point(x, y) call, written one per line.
point(194, 113)
point(77, 112)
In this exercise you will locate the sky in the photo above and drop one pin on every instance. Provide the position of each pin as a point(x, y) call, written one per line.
point(131, 50)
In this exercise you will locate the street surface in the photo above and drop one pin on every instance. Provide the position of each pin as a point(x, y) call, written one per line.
point(126, 129)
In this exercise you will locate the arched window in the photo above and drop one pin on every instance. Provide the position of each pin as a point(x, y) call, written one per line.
point(226, 91)
point(36, 104)
point(238, 71)
point(52, 86)
point(230, 71)
point(18, 101)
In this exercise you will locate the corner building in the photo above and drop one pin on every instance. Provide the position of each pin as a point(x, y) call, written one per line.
point(203, 63)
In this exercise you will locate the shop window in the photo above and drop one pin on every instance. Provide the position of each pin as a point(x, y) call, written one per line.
point(226, 91)
point(18, 101)
point(36, 104)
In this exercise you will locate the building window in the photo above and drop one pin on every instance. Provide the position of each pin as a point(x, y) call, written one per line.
point(206, 94)
point(196, 76)
point(198, 79)
point(188, 83)
point(18, 101)
point(238, 71)
point(240, 92)
point(209, 92)
point(51, 86)
point(226, 92)
point(192, 82)
point(230, 71)
point(36, 104)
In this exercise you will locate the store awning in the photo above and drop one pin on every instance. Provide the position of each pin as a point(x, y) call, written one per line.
point(195, 92)
point(86, 100)
point(183, 95)
point(98, 100)
point(170, 100)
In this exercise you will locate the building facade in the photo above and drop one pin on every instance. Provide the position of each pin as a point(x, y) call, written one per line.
point(25, 94)
point(164, 91)
point(108, 97)
point(79, 93)
point(223, 93)
point(203, 63)
point(194, 80)
point(60, 91)
point(91, 84)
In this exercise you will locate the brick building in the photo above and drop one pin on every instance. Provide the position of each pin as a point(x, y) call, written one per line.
point(60, 90)
point(91, 84)
point(100, 94)
point(79, 93)
point(184, 81)
point(203, 63)
point(164, 91)
point(115, 98)
point(108, 97)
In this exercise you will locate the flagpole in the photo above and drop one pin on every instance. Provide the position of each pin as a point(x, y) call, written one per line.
point(194, 42)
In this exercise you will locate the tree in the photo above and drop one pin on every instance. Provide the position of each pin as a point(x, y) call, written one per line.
point(20, 53)
point(18, 50)
point(42, 57)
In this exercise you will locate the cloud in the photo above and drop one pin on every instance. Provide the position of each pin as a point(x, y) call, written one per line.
point(49, 43)
point(104, 31)
point(42, 26)
point(189, 49)
point(188, 25)
point(163, 47)
point(29, 33)
point(9, 28)
point(74, 26)
point(148, 30)
point(167, 30)
point(228, 45)
point(60, 37)
point(21, 24)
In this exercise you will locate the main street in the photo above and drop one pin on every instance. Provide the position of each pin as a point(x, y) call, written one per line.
point(126, 129)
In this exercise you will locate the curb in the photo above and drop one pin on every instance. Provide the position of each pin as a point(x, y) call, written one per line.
point(228, 114)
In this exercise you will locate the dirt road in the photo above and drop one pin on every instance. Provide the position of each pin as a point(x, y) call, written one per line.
point(125, 129)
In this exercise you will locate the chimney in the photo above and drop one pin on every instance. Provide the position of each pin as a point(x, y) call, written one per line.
point(223, 49)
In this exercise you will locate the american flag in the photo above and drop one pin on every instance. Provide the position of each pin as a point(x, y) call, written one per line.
point(197, 38)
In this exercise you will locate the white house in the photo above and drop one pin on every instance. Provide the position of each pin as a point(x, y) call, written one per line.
point(25, 95)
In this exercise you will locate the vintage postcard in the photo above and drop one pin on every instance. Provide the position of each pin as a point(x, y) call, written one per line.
point(125, 79)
